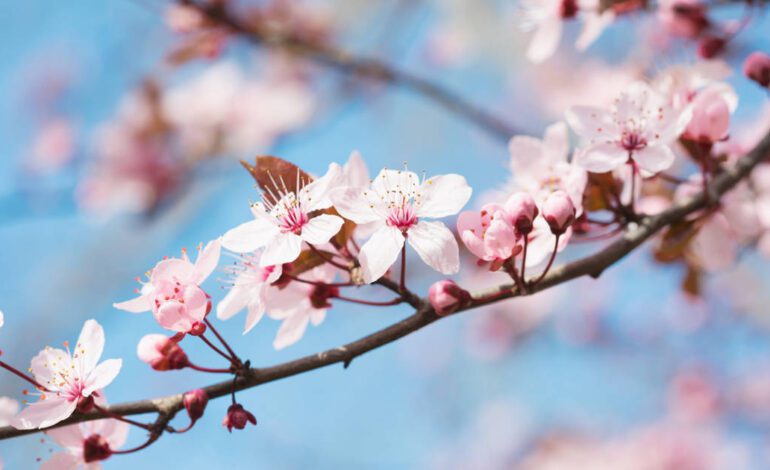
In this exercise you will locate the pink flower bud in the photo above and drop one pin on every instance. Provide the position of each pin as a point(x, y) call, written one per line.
point(96, 448)
point(195, 402)
point(757, 68)
point(711, 46)
point(238, 418)
point(559, 212)
point(446, 297)
point(161, 353)
point(522, 210)
point(710, 117)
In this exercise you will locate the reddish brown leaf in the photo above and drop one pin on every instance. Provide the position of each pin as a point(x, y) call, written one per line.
point(276, 176)
point(675, 241)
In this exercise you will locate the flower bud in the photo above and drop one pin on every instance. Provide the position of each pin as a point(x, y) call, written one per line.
point(559, 212)
point(237, 417)
point(711, 46)
point(195, 402)
point(710, 118)
point(96, 448)
point(320, 295)
point(446, 297)
point(161, 353)
point(521, 210)
point(757, 68)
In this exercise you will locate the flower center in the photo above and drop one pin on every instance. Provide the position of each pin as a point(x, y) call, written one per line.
point(633, 140)
point(293, 220)
point(402, 216)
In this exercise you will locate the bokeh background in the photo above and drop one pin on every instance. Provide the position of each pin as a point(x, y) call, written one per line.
point(615, 368)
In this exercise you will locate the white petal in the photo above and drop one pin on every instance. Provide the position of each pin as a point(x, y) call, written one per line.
point(356, 173)
point(600, 158)
point(592, 123)
point(256, 312)
point(546, 40)
point(315, 196)
point(380, 252)
point(115, 432)
point(44, 413)
point(398, 181)
point(140, 304)
point(67, 436)
point(207, 261)
point(42, 365)
point(291, 330)
point(102, 375)
point(358, 204)
point(654, 158)
point(235, 300)
point(283, 248)
point(443, 196)
point(61, 461)
point(593, 25)
point(89, 347)
point(250, 236)
point(321, 229)
point(526, 154)
point(556, 143)
point(436, 245)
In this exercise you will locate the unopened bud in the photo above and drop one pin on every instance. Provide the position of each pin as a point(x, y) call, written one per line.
point(711, 46)
point(757, 68)
point(161, 353)
point(195, 402)
point(521, 210)
point(446, 297)
point(559, 212)
point(96, 448)
point(237, 417)
point(198, 328)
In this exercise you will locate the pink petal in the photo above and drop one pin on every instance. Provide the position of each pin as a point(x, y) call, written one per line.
point(654, 158)
point(526, 154)
point(102, 376)
point(356, 173)
point(291, 330)
point(67, 436)
point(546, 40)
point(320, 229)
point(380, 252)
point(600, 158)
point(235, 300)
point(44, 413)
point(115, 432)
point(283, 248)
point(61, 461)
point(436, 245)
point(255, 314)
point(140, 304)
point(353, 204)
point(556, 143)
point(172, 269)
point(443, 196)
point(207, 261)
point(315, 196)
point(250, 236)
point(89, 347)
point(592, 124)
point(41, 364)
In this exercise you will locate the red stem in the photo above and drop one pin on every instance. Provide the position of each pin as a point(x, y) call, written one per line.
point(402, 282)
point(222, 340)
point(208, 369)
point(550, 262)
point(395, 301)
point(215, 348)
point(327, 259)
point(524, 257)
point(22, 376)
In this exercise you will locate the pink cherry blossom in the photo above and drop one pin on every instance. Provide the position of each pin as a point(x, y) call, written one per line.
point(547, 17)
point(70, 378)
point(8, 409)
point(559, 212)
point(281, 228)
point(639, 127)
point(488, 233)
point(86, 443)
point(446, 296)
point(521, 211)
point(397, 202)
point(249, 289)
point(173, 292)
point(298, 304)
point(161, 353)
point(540, 167)
point(757, 68)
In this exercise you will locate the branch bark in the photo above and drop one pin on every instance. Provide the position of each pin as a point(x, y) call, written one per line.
point(366, 67)
point(424, 315)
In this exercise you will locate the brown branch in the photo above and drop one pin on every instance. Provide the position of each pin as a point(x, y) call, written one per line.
point(366, 67)
point(592, 266)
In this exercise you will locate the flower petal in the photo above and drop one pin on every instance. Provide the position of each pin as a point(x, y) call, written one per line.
point(89, 347)
point(61, 461)
point(545, 40)
point(593, 25)
point(67, 436)
point(140, 304)
point(283, 248)
point(44, 413)
point(600, 158)
point(114, 432)
point(380, 252)
point(358, 204)
point(320, 229)
point(315, 196)
point(102, 376)
point(207, 261)
point(356, 173)
point(556, 143)
point(654, 158)
point(443, 196)
point(436, 245)
point(291, 330)
point(591, 123)
point(249, 236)
point(42, 365)
point(235, 300)
point(256, 312)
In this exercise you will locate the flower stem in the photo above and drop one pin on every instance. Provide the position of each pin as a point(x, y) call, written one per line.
point(112, 415)
point(395, 301)
point(222, 340)
point(328, 259)
point(215, 348)
point(550, 262)
point(524, 257)
point(402, 282)
point(208, 369)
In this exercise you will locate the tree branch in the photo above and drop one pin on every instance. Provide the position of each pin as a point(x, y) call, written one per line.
point(424, 315)
point(367, 67)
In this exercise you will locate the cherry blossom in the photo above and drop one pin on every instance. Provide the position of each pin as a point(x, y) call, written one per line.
point(397, 202)
point(559, 212)
point(446, 296)
point(173, 292)
point(161, 353)
point(298, 304)
point(70, 379)
point(281, 227)
point(547, 17)
point(638, 127)
point(249, 288)
point(540, 167)
point(488, 233)
point(86, 443)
